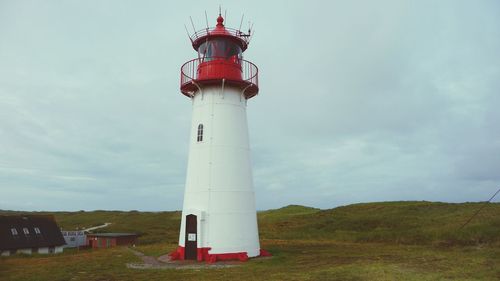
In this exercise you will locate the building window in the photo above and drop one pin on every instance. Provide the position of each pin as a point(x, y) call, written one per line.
point(26, 231)
point(37, 230)
point(200, 133)
point(13, 231)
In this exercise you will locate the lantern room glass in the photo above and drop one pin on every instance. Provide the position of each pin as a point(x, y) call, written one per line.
point(220, 48)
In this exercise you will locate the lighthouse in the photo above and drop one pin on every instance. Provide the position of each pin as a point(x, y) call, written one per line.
point(219, 219)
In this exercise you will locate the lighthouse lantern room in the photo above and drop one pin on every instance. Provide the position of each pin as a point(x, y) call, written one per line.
point(219, 220)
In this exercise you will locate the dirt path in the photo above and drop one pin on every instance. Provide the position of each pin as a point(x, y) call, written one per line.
point(147, 260)
point(97, 227)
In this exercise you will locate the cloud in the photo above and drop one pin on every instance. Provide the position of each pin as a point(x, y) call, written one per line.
point(392, 101)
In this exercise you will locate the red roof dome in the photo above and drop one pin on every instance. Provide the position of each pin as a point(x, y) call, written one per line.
point(220, 31)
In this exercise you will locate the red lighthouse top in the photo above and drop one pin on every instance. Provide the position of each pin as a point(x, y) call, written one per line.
point(221, 32)
point(220, 60)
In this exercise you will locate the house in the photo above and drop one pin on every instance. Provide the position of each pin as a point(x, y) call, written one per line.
point(74, 238)
point(30, 234)
point(107, 240)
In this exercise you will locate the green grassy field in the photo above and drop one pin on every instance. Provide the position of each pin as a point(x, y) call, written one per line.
point(374, 241)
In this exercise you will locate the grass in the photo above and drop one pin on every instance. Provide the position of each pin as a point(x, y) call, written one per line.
point(375, 241)
point(393, 222)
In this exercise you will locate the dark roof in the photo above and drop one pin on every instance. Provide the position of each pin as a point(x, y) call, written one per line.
point(112, 234)
point(49, 233)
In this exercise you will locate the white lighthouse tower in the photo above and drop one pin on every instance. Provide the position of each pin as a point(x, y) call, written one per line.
point(219, 219)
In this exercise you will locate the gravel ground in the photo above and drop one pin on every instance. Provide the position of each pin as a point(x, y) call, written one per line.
point(164, 262)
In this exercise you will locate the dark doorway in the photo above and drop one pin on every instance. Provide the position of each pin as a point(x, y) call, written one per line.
point(191, 238)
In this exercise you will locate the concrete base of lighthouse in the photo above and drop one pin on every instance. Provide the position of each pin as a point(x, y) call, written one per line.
point(219, 218)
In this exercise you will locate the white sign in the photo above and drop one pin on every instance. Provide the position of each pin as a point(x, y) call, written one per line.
point(191, 236)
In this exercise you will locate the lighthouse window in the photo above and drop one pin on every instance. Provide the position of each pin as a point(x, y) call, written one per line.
point(200, 133)
point(219, 48)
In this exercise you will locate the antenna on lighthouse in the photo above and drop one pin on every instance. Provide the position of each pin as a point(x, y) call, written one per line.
point(192, 24)
point(225, 15)
point(206, 19)
point(251, 36)
point(241, 22)
point(187, 32)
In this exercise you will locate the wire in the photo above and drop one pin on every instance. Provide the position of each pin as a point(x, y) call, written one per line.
point(479, 210)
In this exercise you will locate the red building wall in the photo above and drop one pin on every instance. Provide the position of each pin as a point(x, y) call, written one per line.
point(107, 242)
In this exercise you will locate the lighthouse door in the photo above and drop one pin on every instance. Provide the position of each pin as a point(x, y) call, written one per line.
point(191, 238)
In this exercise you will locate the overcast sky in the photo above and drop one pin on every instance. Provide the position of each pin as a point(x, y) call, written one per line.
point(359, 101)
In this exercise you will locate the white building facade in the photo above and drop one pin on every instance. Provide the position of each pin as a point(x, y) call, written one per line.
point(74, 238)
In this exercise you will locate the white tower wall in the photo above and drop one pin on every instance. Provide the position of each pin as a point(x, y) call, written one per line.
point(219, 185)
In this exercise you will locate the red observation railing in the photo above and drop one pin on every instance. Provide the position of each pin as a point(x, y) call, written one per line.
point(239, 72)
point(201, 34)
